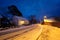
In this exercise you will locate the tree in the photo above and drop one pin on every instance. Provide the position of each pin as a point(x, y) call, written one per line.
point(33, 19)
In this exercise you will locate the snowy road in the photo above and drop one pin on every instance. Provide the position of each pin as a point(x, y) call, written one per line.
point(31, 32)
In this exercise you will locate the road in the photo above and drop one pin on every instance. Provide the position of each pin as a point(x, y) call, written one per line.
point(31, 32)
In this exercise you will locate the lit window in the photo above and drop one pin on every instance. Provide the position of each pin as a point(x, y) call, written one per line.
point(21, 22)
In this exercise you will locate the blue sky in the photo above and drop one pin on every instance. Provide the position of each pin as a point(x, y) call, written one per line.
point(33, 7)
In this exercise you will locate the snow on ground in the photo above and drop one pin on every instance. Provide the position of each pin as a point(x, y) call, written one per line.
point(50, 33)
point(29, 35)
point(39, 32)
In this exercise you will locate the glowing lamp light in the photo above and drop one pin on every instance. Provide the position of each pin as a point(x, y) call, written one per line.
point(45, 17)
point(21, 22)
point(48, 20)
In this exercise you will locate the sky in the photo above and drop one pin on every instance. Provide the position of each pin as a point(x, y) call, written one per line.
point(39, 8)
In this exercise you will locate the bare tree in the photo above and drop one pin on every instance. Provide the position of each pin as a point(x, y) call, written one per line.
point(33, 19)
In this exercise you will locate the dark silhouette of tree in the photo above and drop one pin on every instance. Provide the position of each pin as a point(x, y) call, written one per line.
point(33, 19)
point(57, 19)
point(14, 10)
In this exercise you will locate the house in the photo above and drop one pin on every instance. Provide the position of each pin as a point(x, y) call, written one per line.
point(51, 21)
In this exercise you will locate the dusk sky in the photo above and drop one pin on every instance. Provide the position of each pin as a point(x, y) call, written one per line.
point(39, 8)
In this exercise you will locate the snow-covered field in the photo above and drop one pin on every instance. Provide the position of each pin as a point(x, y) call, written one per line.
point(50, 33)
